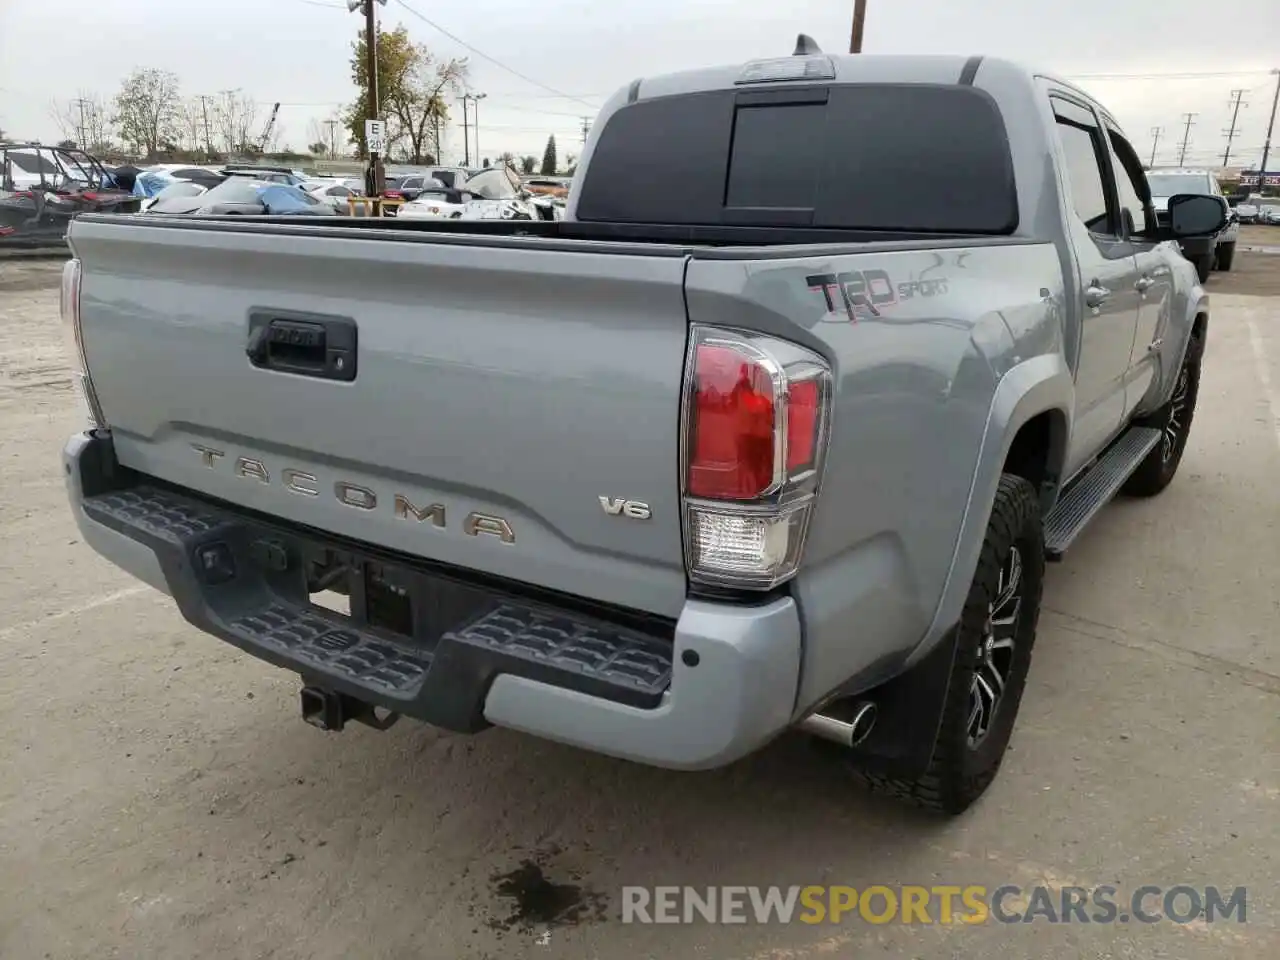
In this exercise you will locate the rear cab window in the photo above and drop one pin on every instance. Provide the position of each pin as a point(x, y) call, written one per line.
point(927, 158)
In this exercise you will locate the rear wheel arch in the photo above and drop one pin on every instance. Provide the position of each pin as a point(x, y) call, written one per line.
point(1039, 392)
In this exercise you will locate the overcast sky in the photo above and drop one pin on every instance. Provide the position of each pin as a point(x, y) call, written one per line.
point(297, 52)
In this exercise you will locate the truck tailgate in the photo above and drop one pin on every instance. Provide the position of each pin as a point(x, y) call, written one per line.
point(501, 391)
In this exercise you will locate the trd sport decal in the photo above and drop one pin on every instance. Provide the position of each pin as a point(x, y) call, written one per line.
point(869, 290)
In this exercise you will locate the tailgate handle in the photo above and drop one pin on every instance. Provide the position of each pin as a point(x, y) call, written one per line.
point(304, 344)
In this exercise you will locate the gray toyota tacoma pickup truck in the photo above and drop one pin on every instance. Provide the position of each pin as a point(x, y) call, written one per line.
point(775, 430)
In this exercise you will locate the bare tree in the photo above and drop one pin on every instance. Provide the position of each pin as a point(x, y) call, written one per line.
point(194, 131)
point(148, 110)
point(85, 121)
point(233, 119)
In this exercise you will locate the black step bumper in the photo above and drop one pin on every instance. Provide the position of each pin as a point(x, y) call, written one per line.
point(416, 642)
point(455, 648)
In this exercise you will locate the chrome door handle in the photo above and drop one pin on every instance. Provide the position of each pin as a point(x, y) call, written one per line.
point(1144, 284)
point(1095, 294)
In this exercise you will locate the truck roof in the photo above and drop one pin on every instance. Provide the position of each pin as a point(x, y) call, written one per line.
point(851, 69)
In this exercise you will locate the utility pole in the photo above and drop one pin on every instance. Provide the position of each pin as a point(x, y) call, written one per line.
point(1231, 133)
point(80, 137)
point(466, 135)
point(333, 142)
point(586, 128)
point(476, 98)
point(1155, 142)
point(376, 181)
point(208, 140)
point(859, 20)
point(475, 122)
point(1266, 145)
point(1186, 136)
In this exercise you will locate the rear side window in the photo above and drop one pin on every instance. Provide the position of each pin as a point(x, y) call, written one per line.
point(891, 157)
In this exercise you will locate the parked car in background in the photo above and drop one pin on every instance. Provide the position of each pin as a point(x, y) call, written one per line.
point(1269, 213)
point(1247, 212)
point(336, 194)
point(493, 194)
point(178, 190)
point(443, 204)
point(409, 187)
point(244, 196)
point(547, 186)
point(1207, 253)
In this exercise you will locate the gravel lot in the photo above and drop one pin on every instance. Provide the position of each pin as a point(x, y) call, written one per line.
point(159, 796)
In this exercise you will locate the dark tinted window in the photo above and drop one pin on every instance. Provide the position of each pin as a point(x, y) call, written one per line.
point(1080, 146)
point(1129, 181)
point(755, 177)
point(888, 157)
point(189, 173)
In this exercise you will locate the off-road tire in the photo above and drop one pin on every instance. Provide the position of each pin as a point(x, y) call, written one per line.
point(959, 773)
point(1158, 469)
point(1204, 266)
point(1226, 256)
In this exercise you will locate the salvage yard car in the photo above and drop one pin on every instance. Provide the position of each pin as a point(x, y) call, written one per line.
point(758, 438)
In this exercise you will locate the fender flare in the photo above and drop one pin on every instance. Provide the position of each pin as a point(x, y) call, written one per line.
point(1030, 388)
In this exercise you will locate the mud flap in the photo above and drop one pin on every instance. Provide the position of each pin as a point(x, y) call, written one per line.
point(909, 713)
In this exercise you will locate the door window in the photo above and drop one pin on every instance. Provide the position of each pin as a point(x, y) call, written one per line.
point(1085, 158)
point(1130, 183)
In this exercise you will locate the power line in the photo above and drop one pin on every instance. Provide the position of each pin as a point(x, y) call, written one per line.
point(497, 63)
point(1236, 104)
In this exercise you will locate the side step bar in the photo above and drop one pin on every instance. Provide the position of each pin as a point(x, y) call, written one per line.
point(1082, 501)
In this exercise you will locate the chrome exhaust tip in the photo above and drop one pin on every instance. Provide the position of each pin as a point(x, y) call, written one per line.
point(847, 733)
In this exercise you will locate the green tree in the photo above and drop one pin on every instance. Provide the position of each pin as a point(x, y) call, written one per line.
point(528, 164)
point(413, 86)
point(148, 109)
point(549, 158)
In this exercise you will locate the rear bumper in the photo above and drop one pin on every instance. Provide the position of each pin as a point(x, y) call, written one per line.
point(442, 646)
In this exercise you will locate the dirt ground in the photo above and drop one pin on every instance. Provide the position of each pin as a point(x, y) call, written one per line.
point(160, 797)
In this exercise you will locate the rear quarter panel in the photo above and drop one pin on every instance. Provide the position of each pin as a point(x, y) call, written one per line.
point(919, 409)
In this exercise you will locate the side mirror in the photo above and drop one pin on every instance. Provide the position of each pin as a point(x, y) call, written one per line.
point(1196, 215)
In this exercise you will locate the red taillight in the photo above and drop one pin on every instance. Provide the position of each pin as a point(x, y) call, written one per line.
point(756, 414)
point(803, 419)
point(731, 431)
point(393, 194)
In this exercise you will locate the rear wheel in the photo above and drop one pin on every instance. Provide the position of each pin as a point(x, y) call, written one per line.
point(1226, 255)
point(993, 655)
